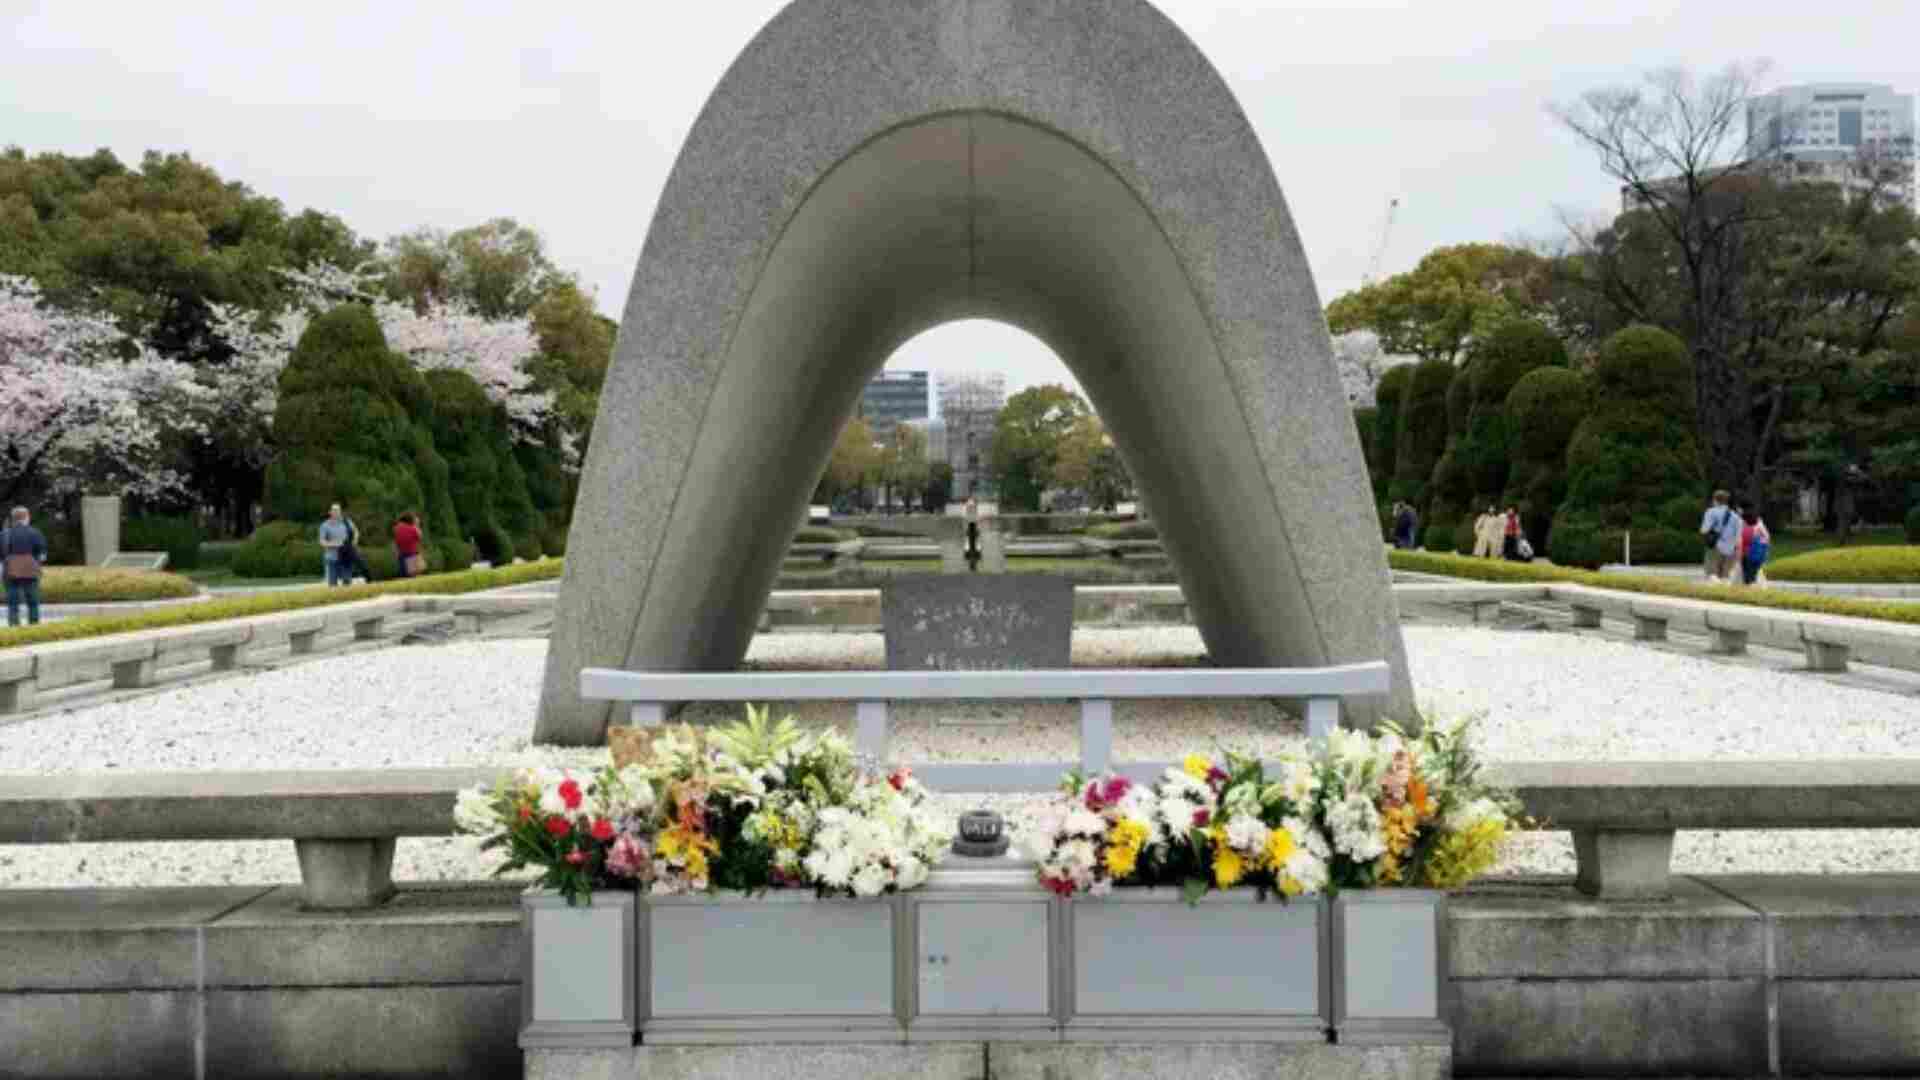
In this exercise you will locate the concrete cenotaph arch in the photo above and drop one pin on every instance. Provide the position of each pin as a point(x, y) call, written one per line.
point(869, 169)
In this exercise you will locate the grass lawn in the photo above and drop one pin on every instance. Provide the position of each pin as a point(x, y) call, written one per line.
point(1788, 543)
point(224, 577)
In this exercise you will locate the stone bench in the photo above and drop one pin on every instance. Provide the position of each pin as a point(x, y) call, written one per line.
point(343, 823)
point(1830, 642)
point(1623, 816)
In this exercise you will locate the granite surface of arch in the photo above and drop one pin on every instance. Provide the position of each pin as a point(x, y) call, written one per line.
point(869, 169)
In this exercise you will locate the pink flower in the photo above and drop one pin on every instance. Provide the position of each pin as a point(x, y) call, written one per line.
point(570, 793)
point(576, 857)
point(629, 857)
point(602, 829)
point(558, 826)
point(1216, 775)
point(1116, 789)
point(899, 778)
point(1201, 817)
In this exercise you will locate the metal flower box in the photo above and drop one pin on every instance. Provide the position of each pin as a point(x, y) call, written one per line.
point(1390, 967)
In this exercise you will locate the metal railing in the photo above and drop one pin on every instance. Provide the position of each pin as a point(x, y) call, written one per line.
point(650, 694)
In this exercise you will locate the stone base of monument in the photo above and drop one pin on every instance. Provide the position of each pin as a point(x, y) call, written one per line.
point(999, 1060)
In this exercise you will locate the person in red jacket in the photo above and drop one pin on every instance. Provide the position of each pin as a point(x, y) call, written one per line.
point(1510, 543)
point(406, 543)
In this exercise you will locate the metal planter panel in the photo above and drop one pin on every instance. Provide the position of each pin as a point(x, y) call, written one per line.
point(1389, 977)
point(977, 950)
point(580, 984)
point(1147, 965)
point(782, 967)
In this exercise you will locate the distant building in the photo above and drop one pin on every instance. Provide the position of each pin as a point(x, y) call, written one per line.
point(894, 396)
point(969, 408)
point(1843, 133)
point(936, 441)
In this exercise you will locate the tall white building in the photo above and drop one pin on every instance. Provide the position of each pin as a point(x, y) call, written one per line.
point(1834, 132)
point(969, 408)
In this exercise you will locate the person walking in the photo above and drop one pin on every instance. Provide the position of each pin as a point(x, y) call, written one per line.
point(1510, 535)
point(23, 550)
point(973, 525)
point(335, 535)
point(1720, 532)
point(406, 544)
point(1755, 543)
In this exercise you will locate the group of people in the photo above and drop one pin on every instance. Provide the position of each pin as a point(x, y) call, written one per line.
point(1495, 535)
point(339, 544)
point(1737, 542)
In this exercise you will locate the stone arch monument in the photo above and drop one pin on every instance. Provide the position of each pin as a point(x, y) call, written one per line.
point(869, 169)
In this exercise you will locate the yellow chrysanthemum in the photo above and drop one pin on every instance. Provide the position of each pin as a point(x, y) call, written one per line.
point(1280, 848)
point(1228, 868)
point(1289, 884)
point(1197, 766)
point(1121, 860)
point(1128, 832)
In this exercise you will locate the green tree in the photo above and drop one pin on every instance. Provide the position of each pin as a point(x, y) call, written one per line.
point(939, 487)
point(500, 267)
point(853, 460)
point(1500, 360)
point(1453, 295)
point(576, 345)
point(353, 427)
point(1027, 438)
point(1632, 463)
point(487, 485)
point(1388, 398)
point(1090, 463)
point(1451, 487)
point(901, 463)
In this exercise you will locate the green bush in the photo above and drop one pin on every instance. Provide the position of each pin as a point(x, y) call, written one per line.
point(218, 554)
point(353, 426)
point(282, 549)
point(179, 536)
point(1365, 424)
point(1913, 525)
point(1509, 353)
point(1633, 458)
point(1124, 530)
point(267, 603)
point(1422, 437)
point(1865, 565)
point(486, 483)
point(92, 585)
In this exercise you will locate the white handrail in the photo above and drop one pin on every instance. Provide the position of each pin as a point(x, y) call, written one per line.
point(650, 694)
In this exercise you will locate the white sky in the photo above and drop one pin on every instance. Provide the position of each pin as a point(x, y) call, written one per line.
point(567, 117)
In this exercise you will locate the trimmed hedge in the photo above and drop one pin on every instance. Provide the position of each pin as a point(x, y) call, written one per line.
point(1865, 565)
point(1512, 351)
point(1632, 463)
point(1651, 585)
point(92, 585)
point(179, 536)
point(1124, 530)
point(282, 549)
point(1388, 397)
point(821, 534)
point(1913, 525)
point(269, 603)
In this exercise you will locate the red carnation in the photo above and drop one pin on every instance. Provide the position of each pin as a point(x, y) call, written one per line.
point(576, 857)
point(602, 829)
point(1201, 817)
point(558, 826)
point(570, 794)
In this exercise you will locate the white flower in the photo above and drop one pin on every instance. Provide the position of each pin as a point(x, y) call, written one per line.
point(473, 812)
point(1461, 818)
point(1247, 834)
point(912, 874)
point(1355, 824)
point(1307, 838)
point(871, 880)
point(1081, 822)
point(1307, 871)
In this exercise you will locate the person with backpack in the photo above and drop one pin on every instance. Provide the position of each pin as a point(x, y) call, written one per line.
point(1720, 532)
point(1755, 542)
point(23, 549)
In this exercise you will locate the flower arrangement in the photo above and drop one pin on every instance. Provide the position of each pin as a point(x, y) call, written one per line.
point(1362, 811)
point(753, 806)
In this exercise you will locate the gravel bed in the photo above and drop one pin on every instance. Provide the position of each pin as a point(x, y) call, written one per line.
point(1539, 696)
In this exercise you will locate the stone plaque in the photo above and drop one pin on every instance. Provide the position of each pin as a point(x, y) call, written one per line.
point(978, 622)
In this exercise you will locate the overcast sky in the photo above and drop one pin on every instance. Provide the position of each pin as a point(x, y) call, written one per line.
point(567, 117)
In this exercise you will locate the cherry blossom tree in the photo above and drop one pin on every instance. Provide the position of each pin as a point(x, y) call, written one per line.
point(85, 408)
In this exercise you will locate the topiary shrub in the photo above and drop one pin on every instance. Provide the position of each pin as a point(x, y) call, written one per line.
point(1507, 354)
point(1422, 437)
point(1632, 460)
point(1543, 409)
point(353, 426)
point(1365, 421)
point(177, 535)
point(1913, 525)
point(487, 486)
point(1388, 396)
point(280, 549)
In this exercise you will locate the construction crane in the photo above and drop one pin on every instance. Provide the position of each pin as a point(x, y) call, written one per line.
point(1380, 249)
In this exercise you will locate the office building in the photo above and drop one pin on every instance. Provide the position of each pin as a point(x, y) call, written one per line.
point(894, 396)
point(1860, 135)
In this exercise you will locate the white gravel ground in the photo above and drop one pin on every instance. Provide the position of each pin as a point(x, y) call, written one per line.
point(1542, 696)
